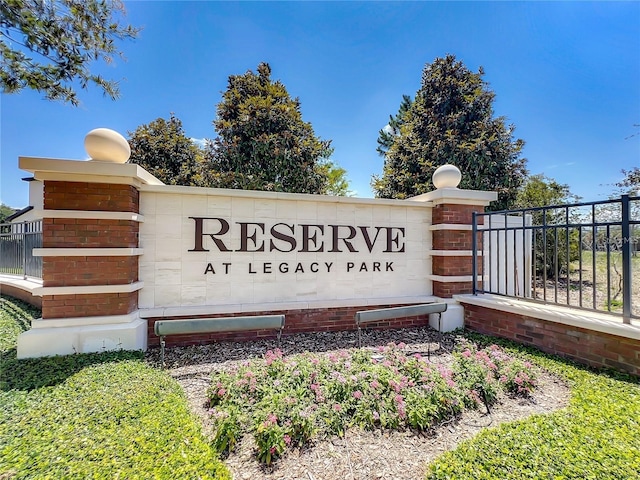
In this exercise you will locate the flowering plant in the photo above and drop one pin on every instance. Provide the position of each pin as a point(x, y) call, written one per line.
point(285, 401)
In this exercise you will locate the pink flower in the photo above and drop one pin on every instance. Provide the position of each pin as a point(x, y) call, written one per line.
point(357, 394)
point(287, 440)
point(376, 416)
point(466, 353)
point(337, 407)
point(402, 413)
point(272, 450)
point(221, 392)
point(375, 385)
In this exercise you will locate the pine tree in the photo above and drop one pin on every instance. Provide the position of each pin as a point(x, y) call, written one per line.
point(49, 46)
point(388, 134)
point(263, 143)
point(452, 121)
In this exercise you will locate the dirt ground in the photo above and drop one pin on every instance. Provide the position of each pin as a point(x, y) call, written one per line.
point(359, 455)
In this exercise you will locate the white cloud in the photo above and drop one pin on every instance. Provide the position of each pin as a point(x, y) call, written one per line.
point(200, 142)
point(558, 165)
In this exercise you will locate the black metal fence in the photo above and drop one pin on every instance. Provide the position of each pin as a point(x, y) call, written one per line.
point(17, 241)
point(584, 255)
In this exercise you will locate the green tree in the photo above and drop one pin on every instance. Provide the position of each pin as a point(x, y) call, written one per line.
point(6, 211)
point(388, 134)
point(263, 143)
point(49, 46)
point(337, 182)
point(162, 148)
point(542, 191)
point(551, 256)
point(452, 121)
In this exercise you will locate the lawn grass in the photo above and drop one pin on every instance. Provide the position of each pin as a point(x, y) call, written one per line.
point(601, 268)
point(107, 415)
point(596, 437)
point(112, 416)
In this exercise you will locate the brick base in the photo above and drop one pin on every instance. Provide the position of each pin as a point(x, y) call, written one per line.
point(88, 305)
point(297, 321)
point(589, 347)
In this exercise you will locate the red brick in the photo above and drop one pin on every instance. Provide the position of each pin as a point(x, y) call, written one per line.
point(593, 348)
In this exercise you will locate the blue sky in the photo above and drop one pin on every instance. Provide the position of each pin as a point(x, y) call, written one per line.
point(567, 75)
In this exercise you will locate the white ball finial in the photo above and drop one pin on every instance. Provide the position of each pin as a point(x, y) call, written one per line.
point(446, 176)
point(106, 145)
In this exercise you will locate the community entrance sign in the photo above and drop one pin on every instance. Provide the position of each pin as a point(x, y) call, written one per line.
point(122, 250)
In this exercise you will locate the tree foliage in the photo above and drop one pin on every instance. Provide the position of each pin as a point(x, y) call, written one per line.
point(49, 46)
point(556, 247)
point(388, 134)
point(452, 121)
point(5, 211)
point(542, 191)
point(337, 182)
point(263, 143)
point(631, 181)
point(162, 148)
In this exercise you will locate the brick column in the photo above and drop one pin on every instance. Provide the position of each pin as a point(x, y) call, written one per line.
point(70, 234)
point(452, 255)
point(452, 240)
point(90, 258)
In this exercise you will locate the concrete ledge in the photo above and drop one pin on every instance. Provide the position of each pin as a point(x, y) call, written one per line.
point(272, 307)
point(45, 342)
point(17, 287)
point(450, 226)
point(89, 289)
point(456, 196)
point(84, 321)
point(599, 322)
point(453, 278)
point(89, 215)
point(87, 252)
point(84, 171)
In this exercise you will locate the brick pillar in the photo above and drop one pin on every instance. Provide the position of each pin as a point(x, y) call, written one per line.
point(452, 243)
point(70, 234)
point(90, 257)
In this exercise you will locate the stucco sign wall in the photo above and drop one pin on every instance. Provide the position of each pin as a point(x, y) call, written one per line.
point(220, 247)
